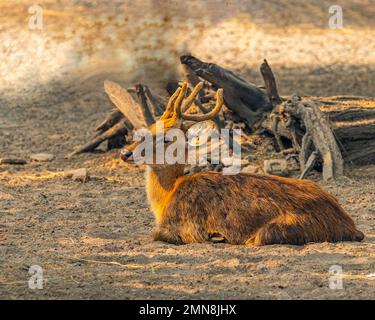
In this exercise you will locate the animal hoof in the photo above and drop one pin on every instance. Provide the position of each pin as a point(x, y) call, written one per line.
point(216, 238)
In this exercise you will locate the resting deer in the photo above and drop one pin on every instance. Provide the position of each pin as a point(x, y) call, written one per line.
point(254, 209)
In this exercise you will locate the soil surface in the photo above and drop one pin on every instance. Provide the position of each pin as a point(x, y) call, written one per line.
point(93, 238)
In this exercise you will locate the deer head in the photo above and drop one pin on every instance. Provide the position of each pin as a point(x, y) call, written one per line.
point(174, 117)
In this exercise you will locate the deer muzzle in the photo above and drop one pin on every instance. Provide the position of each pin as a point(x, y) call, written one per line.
point(126, 155)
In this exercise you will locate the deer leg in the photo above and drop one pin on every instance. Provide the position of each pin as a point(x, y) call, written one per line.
point(277, 233)
point(299, 230)
point(165, 235)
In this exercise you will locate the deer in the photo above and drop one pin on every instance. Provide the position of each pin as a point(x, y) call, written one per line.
point(241, 209)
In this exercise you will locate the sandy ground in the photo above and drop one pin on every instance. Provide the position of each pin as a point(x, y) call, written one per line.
point(93, 239)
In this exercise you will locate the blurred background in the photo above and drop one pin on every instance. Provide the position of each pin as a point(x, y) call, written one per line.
point(83, 42)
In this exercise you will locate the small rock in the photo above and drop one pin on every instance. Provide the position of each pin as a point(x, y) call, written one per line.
point(76, 174)
point(251, 157)
point(12, 161)
point(251, 169)
point(239, 125)
point(219, 167)
point(270, 148)
point(277, 167)
point(42, 157)
point(195, 169)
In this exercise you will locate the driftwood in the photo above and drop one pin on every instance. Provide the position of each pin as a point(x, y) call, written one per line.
point(113, 117)
point(120, 128)
point(124, 101)
point(312, 130)
point(352, 121)
point(309, 164)
point(270, 83)
point(148, 117)
point(318, 136)
point(156, 103)
point(245, 99)
point(136, 108)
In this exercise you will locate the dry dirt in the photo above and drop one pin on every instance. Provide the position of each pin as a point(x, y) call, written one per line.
point(93, 239)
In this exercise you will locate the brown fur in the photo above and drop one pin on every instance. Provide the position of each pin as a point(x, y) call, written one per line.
point(244, 208)
point(247, 208)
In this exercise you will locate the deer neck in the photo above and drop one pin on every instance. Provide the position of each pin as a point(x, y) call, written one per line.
point(160, 185)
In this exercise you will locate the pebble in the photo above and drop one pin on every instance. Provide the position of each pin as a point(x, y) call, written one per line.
point(251, 169)
point(12, 161)
point(76, 174)
point(195, 169)
point(219, 167)
point(277, 167)
point(42, 157)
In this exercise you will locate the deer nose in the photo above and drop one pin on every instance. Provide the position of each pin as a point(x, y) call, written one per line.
point(125, 154)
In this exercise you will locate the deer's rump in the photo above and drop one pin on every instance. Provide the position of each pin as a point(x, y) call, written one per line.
point(255, 209)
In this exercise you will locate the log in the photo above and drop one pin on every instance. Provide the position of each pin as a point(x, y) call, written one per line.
point(124, 101)
point(354, 126)
point(356, 147)
point(119, 128)
point(247, 100)
point(113, 117)
point(148, 117)
point(270, 83)
point(129, 115)
point(353, 118)
point(192, 78)
point(156, 103)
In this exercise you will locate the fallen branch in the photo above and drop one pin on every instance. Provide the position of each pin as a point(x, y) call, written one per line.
point(270, 83)
point(148, 117)
point(319, 131)
point(119, 128)
point(123, 100)
point(113, 117)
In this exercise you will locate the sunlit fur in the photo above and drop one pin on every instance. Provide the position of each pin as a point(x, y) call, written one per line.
point(252, 209)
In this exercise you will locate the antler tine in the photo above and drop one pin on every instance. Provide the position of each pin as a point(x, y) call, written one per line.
point(178, 102)
point(190, 99)
point(170, 107)
point(209, 115)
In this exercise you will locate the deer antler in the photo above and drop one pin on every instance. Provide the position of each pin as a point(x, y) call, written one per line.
point(189, 100)
point(209, 115)
point(177, 105)
point(170, 107)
